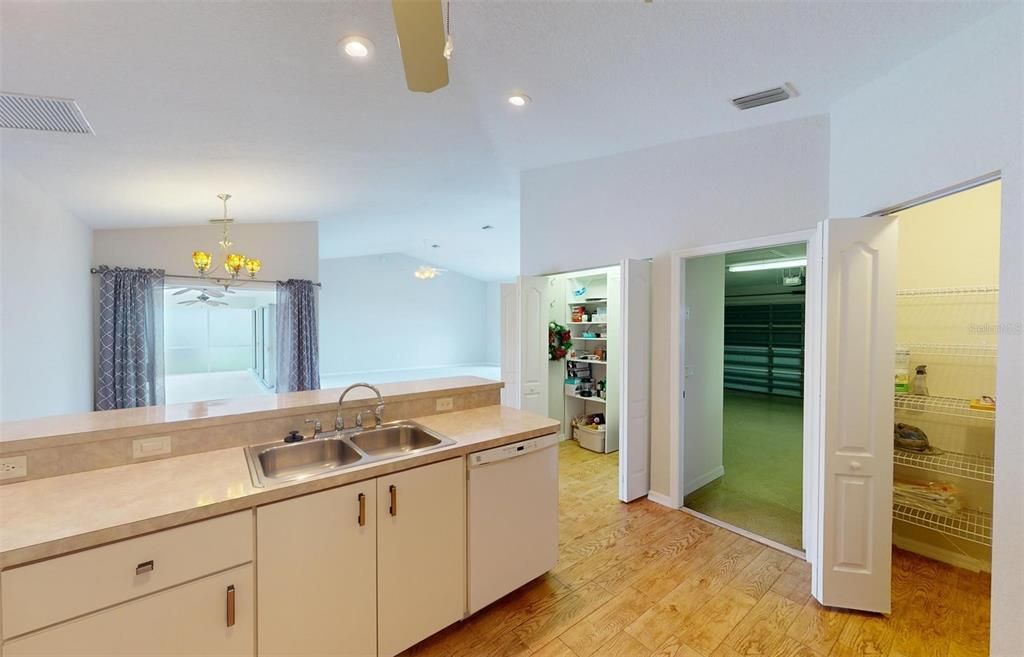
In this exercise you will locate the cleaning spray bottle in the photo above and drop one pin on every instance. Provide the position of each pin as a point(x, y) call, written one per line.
point(921, 380)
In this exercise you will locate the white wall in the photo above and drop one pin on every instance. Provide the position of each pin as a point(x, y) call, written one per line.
point(288, 250)
point(492, 324)
point(375, 315)
point(649, 202)
point(951, 114)
point(46, 302)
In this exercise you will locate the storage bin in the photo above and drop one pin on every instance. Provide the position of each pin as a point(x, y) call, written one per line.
point(592, 439)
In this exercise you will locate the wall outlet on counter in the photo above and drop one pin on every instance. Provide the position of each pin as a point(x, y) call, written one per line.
point(153, 446)
point(444, 404)
point(13, 467)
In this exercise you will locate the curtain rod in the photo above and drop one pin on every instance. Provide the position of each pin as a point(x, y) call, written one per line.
point(211, 279)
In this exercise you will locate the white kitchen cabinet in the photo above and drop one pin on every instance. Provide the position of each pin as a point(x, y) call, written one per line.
point(48, 592)
point(421, 563)
point(212, 617)
point(317, 575)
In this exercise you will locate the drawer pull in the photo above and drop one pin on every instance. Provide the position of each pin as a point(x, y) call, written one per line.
point(144, 567)
point(231, 605)
point(362, 510)
point(393, 490)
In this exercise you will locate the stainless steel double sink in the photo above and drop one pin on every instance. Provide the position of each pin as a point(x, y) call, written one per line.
point(279, 462)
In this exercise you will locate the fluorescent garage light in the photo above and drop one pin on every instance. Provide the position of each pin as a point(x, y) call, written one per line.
point(769, 264)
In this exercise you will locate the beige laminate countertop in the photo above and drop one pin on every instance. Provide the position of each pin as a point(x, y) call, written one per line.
point(49, 517)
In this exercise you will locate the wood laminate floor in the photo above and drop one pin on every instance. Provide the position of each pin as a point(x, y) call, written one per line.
point(641, 579)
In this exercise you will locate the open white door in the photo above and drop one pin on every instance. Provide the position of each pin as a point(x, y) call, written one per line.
point(510, 344)
point(634, 395)
point(854, 363)
point(533, 343)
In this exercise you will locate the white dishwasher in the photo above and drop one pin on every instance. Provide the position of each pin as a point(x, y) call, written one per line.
point(513, 517)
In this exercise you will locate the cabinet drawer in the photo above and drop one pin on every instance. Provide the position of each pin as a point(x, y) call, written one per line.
point(211, 617)
point(50, 591)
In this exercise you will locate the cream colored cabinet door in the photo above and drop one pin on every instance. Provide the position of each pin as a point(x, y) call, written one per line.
point(317, 574)
point(209, 617)
point(421, 553)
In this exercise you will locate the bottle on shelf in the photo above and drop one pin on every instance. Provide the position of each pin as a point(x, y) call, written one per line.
point(921, 380)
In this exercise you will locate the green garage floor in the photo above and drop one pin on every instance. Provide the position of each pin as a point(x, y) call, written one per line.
point(763, 459)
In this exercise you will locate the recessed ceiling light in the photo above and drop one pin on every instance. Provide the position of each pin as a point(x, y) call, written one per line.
point(356, 47)
point(519, 99)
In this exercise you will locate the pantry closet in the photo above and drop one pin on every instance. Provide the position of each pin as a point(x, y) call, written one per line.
point(576, 347)
point(584, 381)
point(947, 337)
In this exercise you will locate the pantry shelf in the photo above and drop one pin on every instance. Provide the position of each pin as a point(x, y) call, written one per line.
point(585, 302)
point(966, 350)
point(585, 323)
point(948, 291)
point(948, 406)
point(969, 525)
point(579, 337)
point(588, 360)
point(593, 399)
point(978, 468)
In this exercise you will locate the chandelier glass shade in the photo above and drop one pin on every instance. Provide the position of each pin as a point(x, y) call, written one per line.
point(201, 260)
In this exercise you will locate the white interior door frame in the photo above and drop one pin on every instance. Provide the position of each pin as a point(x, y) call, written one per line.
point(676, 328)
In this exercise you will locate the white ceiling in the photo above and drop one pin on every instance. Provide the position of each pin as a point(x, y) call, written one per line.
point(189, 99)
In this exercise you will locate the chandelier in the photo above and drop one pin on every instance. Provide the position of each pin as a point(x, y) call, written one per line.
point(425, 273)
point(234, 263)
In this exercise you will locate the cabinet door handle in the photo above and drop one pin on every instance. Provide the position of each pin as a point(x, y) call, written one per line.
point(231, 605)
point(144, 567)
point(393, 490)
point(362, 510)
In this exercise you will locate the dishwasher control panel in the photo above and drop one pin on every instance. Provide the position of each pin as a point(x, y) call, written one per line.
point(513, 450)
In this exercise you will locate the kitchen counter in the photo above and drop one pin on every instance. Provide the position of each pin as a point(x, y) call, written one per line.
point(53, 516)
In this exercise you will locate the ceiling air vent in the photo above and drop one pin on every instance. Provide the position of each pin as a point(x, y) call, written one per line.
point(41, 113)
point(766, 97)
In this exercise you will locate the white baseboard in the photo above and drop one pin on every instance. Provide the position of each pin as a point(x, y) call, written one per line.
point(663, 500)
point(409, 369)
point(941, 554)
point(703, 480)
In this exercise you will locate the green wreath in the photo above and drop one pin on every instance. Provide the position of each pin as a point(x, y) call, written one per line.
point(559, 341)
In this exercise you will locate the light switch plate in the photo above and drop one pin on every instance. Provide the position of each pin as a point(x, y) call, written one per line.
point(444, 404)
point(13, 467)
point(153, 446)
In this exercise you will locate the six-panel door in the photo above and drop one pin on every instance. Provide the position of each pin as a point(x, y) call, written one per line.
point(317, 574)
point(421, 565)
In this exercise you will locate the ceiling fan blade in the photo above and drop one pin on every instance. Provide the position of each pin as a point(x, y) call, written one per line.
point(214, 293)
point(188, 303)
point(181, 291)
point(420, 27)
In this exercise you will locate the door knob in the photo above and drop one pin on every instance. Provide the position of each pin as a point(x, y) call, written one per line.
point(855, 465)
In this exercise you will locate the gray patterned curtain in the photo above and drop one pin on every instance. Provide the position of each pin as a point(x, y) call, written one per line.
point(130, 354)
point(298, 343)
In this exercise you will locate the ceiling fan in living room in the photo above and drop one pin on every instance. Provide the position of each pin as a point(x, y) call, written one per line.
point(204, 299)
point(424, 37)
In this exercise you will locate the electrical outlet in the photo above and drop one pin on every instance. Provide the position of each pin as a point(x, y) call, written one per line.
point(444, 404)
point(13, 467)
point(154, 446)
